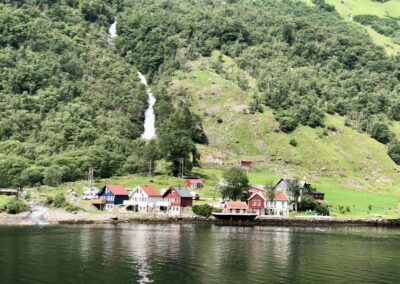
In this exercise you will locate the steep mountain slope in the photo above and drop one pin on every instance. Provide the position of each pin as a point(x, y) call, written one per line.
point(349, 158)
point(348, 9)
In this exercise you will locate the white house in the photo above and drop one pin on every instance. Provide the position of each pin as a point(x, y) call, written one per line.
point(90, 192)
point(215, 159)
point(143, 199)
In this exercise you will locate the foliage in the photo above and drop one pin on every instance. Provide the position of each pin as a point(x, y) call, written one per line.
point(322, 209)
point(204, 210)
point(270, 189)
point(52, 176)
point(15, 205)
point(236, 183)
point(295, 190)
point(293, 142)
point(59, 201)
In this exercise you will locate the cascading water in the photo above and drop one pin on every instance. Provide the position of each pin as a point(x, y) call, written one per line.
point(149, 115)
point(37, 214)
point(112, 31)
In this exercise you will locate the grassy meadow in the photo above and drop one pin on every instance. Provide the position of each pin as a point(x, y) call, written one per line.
point(350, 8)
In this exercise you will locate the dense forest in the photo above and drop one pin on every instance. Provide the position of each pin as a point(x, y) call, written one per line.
point(70, 98)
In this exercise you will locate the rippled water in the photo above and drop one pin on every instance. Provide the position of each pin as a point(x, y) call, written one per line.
point(197, 254)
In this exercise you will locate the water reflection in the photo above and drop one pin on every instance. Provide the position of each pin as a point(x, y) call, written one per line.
point(196, 254)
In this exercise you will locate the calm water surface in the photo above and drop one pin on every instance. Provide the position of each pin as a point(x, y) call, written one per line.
point(198, 254)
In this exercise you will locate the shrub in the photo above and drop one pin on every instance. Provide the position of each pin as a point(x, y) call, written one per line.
point(293, 142)
point(322, 209)
point(220, 120)
point(307, 203)
point(204, 210)
point(53, 176)
point(15, 206)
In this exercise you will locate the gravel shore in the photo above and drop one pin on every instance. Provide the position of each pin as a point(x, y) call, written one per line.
point(59, 216)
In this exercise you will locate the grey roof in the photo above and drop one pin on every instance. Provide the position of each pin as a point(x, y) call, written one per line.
point(317, 192)
point(302, 183)
point(182, 191)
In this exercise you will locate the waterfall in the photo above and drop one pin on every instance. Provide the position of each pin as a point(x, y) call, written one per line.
point(112, 31)
point(149, 115)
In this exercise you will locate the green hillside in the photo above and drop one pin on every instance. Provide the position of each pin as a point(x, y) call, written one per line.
point(383, 9)
point(352, 168)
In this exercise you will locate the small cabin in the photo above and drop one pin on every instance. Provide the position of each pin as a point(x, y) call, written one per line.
point(245, 164)
point(215, 159)
point(318, 195)
point(110, 196)
point(194, 183)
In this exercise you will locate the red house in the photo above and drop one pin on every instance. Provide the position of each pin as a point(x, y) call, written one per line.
point(318, 195)
point(245, 164)
point(175, 199)
point(260, 203)
point(194, 183)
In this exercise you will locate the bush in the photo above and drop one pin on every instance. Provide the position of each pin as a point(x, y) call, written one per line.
point(322, 209)
point(204, 210)
point(307, 203)
point(53, 176)
point(15, 206)
point(293, 142)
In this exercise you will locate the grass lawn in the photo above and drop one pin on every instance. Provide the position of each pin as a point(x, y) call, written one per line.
point(3, 200)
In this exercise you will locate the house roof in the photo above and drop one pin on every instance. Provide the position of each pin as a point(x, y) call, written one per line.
point(246, 161)
point(117, 189)
point(279, 195)
point(235, 205)
point(149, 190)
point(215, 156)
point(302, 183)
point(191, 180)
point(317, 192)
point(256, 188)
point(182, 191)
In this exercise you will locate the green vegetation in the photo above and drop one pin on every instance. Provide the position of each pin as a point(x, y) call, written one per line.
point(204, 210)
point(236, 186)
point(231, 77)
point(58, 200)
point(350, 9)
point(15, 205)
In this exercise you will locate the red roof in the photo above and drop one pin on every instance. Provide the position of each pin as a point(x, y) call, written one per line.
point(235, 205)
point(215, 156)
point(279, 195)
point(117, 189)
point(193, 180)
point(150, 190)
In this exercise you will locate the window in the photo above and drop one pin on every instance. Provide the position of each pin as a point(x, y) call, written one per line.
point(256, 202)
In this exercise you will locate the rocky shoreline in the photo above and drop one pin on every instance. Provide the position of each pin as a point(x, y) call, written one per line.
point(59, 216)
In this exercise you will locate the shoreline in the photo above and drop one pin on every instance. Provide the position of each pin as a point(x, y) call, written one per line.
point(58, 216)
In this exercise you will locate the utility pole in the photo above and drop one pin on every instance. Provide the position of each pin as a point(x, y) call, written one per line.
point(181, 167)
point(150, 167)
point(90, 177)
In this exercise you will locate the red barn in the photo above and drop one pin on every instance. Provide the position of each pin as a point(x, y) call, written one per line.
point(175, 199)
point(245, 164)
point(194, 183)
point(318, 195)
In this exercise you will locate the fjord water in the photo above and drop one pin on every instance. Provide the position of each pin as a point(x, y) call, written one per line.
point(138, 253)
